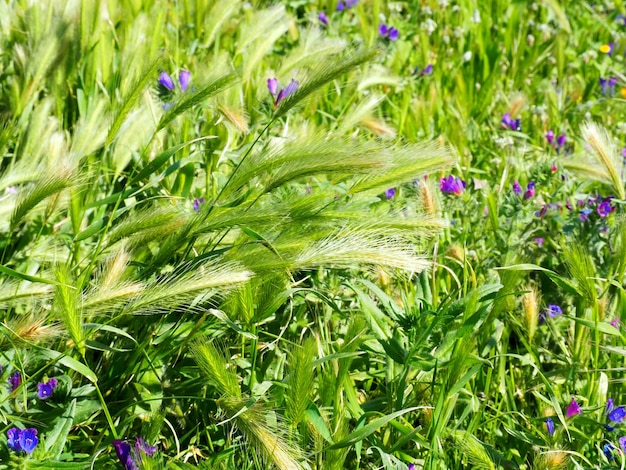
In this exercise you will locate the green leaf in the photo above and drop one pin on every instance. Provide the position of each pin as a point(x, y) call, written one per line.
point(316, 420)
point(368, 429)
point(69, 362)
point(56, 438)
point(26, 277)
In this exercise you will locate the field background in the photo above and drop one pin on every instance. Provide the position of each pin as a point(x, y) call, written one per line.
point(248, 281)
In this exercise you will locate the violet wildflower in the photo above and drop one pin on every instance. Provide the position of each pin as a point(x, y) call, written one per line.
point(517, 189)
point(604, 208)
point(615, 323)
point(272, 86)
point(290, 89)
point(573, 409)
point(618, 414)
point(122, 449)
point(129, 456)
point(391, 192)
point(22, 440)
point(610, 406)
point(622, 443)
point(15, 380)
point(554, 310)
point(539, 241)
point(388, 32)
point(351, 3)
point(197, 202)
point(550, 426)
point(608, 451)
point(584, 215)
point(428, 70)
point(512, 124)
point(411, 467)
point(143, 446)
point(560, 140)
point(607, 85)
point(45, 389)
point(550, 136)
point(184, 77)
point(530, 190)
point(166, 81)
point(452, 184)
point(323, 18)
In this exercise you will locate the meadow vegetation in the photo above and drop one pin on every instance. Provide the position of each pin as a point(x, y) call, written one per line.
point(312, 234)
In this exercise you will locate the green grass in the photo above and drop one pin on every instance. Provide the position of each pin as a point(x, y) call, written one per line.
point(227, 277)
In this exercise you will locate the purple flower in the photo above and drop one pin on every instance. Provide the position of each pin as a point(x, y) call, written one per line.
point(322, 17)
point(143, 446)
point(517, 189)
point(584, 215)
point(608, 451)
point(550, 136)
point(122, 449)
point(452, 184)
point(22, 440)
point(166, 81)
point(604, 208)
point(351, 3)
point(388, 32)
point(530, 190)
point(411, 467)
point(184, 77)
point(622, 443)
point(391, 192)
point(290, 89)
point(550, 426)
point(609, 406)
point(272, 86)
point(539, 241)
point(512, 124)
point(573, 408)
point(616, 322)
point(129, 456)
point(618, 414)
point(45, 389)
point(15, 380)
point(560, 140)
point(340, 6)
point(428, 70)
point(197, 202)
point(608, 85)
point(554, 310)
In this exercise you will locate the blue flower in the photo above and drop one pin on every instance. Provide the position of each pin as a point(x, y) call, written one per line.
point(322, 17)
point(550, 426)
point(22, 440)
point(197, 202)
point(45, 389)
point(122, 449)
point(15, 380)
point(608, 451)
point(512, 124)
point(129, 455)
point(184, 77)
point(166, 81)
point(391, 192)
point(618, 414)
